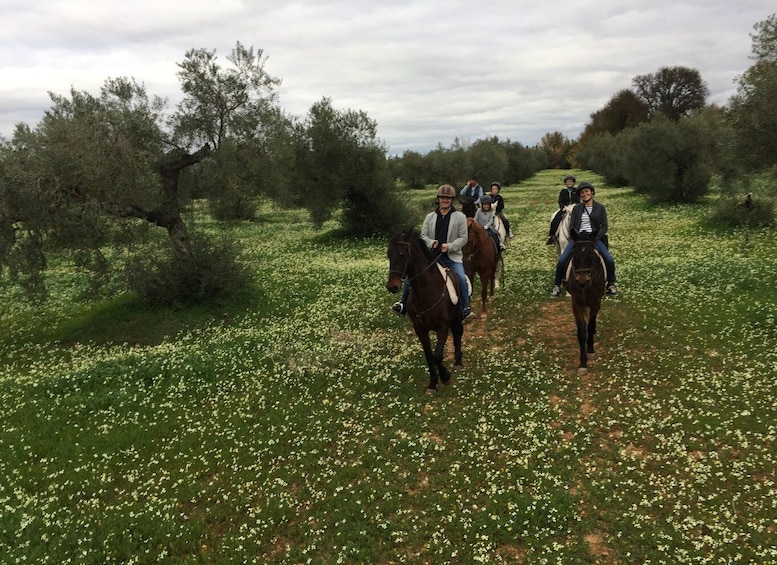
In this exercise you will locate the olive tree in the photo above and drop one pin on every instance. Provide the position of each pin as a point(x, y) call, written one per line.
point(341, 165)
point(673, 161)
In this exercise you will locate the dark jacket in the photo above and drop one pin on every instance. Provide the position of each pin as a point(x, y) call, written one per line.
point(598, 221)
point(568, 196)
point(499, 203)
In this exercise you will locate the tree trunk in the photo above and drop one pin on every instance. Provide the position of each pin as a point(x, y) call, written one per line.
point(172, 219)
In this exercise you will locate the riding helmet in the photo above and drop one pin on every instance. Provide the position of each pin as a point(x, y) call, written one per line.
point(586, 184)
point(496, 184)
point(446, 190)
point(486, 199)
point(570, 177)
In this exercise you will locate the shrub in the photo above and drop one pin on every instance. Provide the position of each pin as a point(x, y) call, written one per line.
point(731, 210)
point(671, 161)
point(603, 154)
point(214, 272)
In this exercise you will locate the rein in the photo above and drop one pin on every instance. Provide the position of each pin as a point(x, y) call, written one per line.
point(410, 280)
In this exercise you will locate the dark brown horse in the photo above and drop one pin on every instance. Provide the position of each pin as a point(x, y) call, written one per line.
point(468, 206)
point(586, 284)
point(428, 304)
point(481, 256)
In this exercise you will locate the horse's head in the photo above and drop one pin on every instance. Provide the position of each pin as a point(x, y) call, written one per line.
point(583, 260)
point(399, 251)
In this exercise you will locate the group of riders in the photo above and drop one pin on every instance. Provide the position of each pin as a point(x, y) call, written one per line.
point(445, 232)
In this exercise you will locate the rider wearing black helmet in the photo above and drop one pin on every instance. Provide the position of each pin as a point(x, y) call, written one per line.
point(485, 217)
point(588, 222)
point(499, 206)
point(568, 195)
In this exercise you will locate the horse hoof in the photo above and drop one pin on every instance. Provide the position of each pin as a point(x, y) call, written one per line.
point(591, 355)
point(582, 371)
point(458, 365)
point(484, 316)
point(431, 391)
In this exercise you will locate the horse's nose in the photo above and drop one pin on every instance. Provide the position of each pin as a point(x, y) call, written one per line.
point(393, 288)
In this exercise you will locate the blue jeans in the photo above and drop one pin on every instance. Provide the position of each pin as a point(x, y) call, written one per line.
point(457, 268)
point(600, 247)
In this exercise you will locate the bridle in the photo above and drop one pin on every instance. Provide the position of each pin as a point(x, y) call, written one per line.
point(585, 271)
point(403, 274)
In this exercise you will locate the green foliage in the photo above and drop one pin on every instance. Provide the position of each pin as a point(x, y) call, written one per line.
point(219, 103)
point(747, 201)
point(342, 164)
point(733, 211)
point(753, 109)
point(489, 159)
point(604, 154)
point(214, 273)
point(672, 161)
point(624, 110)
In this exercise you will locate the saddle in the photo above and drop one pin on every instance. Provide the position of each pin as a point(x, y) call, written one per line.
point(450, 279)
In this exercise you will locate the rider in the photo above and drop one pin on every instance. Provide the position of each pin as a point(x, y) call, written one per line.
point(499, 205)
point(485, 217)
point(472, 190)
point(588, 222)
point(568, 195)
point(445, 231)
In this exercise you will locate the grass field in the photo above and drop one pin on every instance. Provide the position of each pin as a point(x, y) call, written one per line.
point(292, 426)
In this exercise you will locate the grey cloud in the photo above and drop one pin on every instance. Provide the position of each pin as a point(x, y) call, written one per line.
point(426, 71)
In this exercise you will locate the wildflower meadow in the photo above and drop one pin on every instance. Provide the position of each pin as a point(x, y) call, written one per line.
point(291, 425)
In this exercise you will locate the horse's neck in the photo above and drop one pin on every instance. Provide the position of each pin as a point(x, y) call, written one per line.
point(421, 271)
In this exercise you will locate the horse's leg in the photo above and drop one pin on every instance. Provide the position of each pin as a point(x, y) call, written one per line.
point(423, 337)
point(457, 330)
point(594, 310)
point(436, 368)
point(580, 321)
point(483, 295)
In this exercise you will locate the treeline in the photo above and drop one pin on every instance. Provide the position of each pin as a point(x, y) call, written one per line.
point(660, 137)
point(99, 171)
point(489, 159)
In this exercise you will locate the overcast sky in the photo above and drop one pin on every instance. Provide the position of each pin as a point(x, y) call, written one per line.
point(427, 71)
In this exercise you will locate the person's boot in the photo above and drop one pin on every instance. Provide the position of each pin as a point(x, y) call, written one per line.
point(399, 308)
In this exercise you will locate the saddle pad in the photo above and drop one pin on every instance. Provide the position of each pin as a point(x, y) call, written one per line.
point(451, 286)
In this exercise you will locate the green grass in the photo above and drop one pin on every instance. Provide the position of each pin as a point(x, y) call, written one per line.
point(291, 425)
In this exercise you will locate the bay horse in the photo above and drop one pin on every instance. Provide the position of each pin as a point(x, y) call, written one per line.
point(482, 256)
point(428, 304)
point(585, 284)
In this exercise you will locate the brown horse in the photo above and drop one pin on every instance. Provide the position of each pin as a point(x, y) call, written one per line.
point(481, 256)
point(428, 304)
point(586, 286)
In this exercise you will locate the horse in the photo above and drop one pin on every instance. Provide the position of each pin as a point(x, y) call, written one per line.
point(428, 304)
point(468, 206)
point(499, 228)
point(563, 233)
point(586, 285)
point(482, 256)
